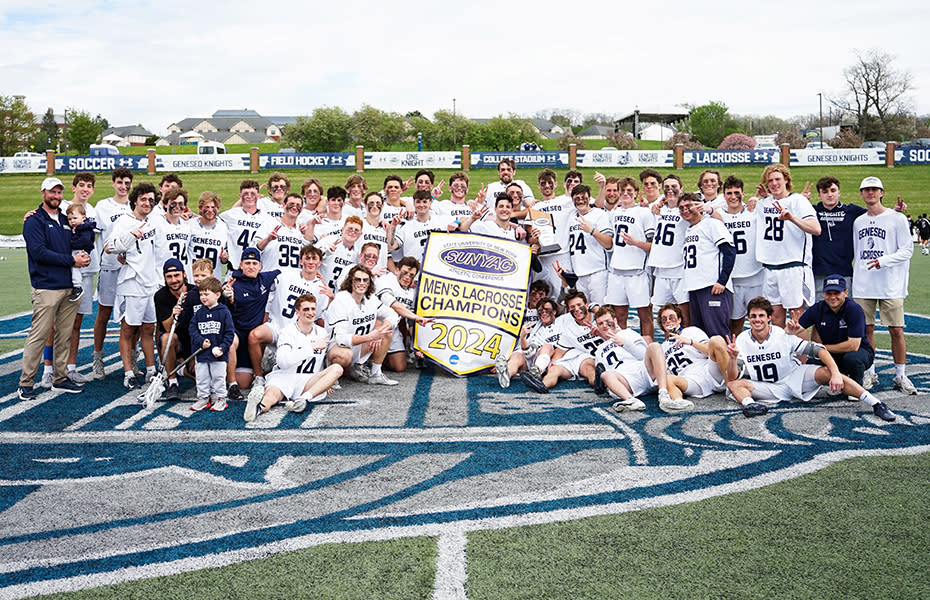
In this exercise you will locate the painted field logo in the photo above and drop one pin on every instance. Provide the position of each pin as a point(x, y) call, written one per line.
point(478, 260)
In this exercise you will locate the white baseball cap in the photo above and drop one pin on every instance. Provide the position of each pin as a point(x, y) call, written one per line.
point(873, 182)
point(50, 183)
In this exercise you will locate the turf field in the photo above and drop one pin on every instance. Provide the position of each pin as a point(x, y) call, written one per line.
point(451, 488)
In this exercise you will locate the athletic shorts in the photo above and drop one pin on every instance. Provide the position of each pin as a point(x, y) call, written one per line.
point(627, 290)
point(594, 286)
point(742, 294)
point(243, 362)
point(87, 300)
point(397, 341)
point(291, 384)
point(637, 377)
point(704, 379)
point(891, 310)
point(799, 384)
point(666, 290)
point(106, 287)
point(571, 361)
point(134, 310)
point(791, 288)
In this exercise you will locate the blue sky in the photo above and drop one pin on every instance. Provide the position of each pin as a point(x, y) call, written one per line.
point(155, 63)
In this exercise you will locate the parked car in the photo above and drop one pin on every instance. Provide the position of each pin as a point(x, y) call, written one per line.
point(103, 150)
point(818, 145)
point(211, 148)
point(28, 155)
point(874, 144)
point(917, 143)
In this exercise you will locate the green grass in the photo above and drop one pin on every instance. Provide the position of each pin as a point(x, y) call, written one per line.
point(789, 540)
point(21, 192)
point(403, 568)
point(863, 539)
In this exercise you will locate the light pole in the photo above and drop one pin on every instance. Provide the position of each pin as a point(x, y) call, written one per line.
point(820, 101)
point(453, 124)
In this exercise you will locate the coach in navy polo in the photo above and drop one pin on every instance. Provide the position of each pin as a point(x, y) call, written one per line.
point(840, 323)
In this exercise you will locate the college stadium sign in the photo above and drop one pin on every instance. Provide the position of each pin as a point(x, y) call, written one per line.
point(96, 490)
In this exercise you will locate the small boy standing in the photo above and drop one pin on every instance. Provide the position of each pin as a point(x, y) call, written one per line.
point(211, 328)
point(82, 240)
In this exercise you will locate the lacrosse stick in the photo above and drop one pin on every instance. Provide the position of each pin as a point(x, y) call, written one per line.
point(144, 397)
point(157, 386)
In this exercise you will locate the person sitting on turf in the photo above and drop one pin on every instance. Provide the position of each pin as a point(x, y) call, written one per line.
point(771, 373)
point(299, 375)
point(534, 348)
point(701, 360)
point(576, 345)
point(629, 366)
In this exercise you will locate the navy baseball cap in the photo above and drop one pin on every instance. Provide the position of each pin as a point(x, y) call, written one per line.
point(173, 265)
point(834, 283)
point(251, 254)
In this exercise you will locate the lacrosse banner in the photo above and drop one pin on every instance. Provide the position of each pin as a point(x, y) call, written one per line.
point(475, 287)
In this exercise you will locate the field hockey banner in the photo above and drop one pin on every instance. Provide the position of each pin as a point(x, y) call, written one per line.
point(413, 160)
point(475, 287)
point(625, 158)
point(307, 160)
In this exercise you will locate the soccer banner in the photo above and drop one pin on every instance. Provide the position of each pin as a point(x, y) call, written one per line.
point(475, 287)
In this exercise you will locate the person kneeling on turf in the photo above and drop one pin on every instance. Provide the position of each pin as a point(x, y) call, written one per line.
point(298, 376)
point(627, 366)
point(773, 373)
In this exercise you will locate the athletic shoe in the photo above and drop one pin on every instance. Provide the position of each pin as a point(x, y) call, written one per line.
point(130, 381)
point(599, 387)
point(47, 380)
point(754, 409)
point(882, 411)
point(535, 372)
point(76, 294)
point(297, 405)
point(336, 385)
point(219, 405)
point(201, 404)
point(357, 373)
point(99, 368)
point(268, 360)
point(172, 392)
point(633, 403)
point(869, 380)
point(77, 377)
point(252, 408)
point(257, 392)
point(233, 392)
point(534, 383)
point(925, 251)
point(500, 366)
point(904, 384)
point(381, 379)
point(673, 405)
point(26, 392)
point(149, 376)
point(67, 386)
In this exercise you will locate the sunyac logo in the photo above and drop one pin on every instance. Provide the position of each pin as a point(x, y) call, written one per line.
point(478, 260)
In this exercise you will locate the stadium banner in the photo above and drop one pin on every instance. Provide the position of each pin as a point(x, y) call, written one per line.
point(475, 287)
point(709, 158)
point(625, 158)
point(74, 164)
point(541, 159)
point(911, 156)
point(22, 164)
point(307, 160)
point(413, 160)
point(838, 156)
point(202, 162)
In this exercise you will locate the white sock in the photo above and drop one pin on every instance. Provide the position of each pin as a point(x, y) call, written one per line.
point(868, 398)
point(46, 369)
point(542, 361)
point(375, 369)
point(71, 367)
point(899, 370)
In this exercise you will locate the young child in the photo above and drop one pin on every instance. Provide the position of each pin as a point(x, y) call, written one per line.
point(211, 328)
point(82, 240)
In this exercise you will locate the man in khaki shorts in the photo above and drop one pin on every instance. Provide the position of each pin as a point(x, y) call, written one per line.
point(883, 248)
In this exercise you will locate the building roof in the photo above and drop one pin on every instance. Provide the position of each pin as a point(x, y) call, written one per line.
point(245, 112)
point(127, 130)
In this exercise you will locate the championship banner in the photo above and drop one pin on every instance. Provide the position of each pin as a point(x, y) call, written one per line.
point(475, 286)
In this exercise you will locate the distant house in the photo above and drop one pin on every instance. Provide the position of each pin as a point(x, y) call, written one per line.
point(244, 126)
point(596, 132)
point(128, 135)
point(548, 129)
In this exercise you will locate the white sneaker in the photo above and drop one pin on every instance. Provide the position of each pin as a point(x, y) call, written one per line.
point(380, 379)
point(47, 379)
point(201, 404)
point(672, 405)
point(869, 380)
point(904, 384)
point(252, 408)
point(258, 390)
point(633, 403)
point(268, 359)
point(99, 368)
point(297, 405)
point(77, 377)
point(357, 373)
point(503, 374)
